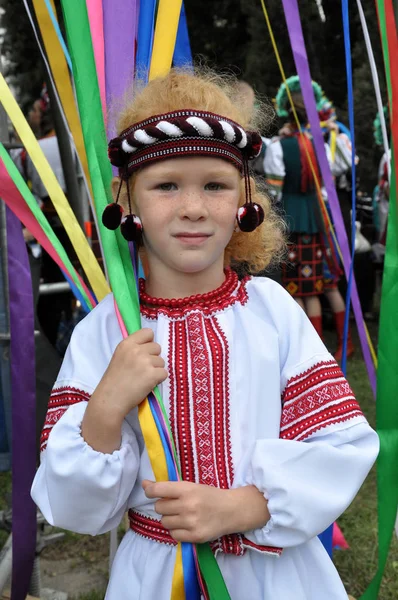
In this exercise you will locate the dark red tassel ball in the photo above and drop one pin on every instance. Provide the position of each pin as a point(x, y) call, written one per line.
point(112, 216)
point(250, 216)
point(131, 229)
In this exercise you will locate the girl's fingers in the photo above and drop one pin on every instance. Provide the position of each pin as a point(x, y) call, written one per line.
point(152, 348)
point(167, 507)
point(161, 489)
point(158, 361)
point(173, 522)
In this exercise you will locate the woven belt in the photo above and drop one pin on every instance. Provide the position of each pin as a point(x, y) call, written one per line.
point(236, 543)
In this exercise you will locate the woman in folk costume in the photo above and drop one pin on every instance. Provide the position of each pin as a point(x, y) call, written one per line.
point(272, 445)
point(289, 176)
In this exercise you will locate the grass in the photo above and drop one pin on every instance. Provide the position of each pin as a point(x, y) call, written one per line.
point(359, 523)
point(93, 595)
point(358, 565)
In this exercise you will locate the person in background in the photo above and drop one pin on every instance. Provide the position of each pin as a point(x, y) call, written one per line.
point(382, 191)
point(52, 307)
point(291, 180)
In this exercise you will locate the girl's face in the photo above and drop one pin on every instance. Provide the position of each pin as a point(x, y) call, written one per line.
point(188, 211)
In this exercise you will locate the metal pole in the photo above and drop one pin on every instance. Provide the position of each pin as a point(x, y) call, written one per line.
point(69, 165)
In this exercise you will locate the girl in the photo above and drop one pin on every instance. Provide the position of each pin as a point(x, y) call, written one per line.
point(272, 444)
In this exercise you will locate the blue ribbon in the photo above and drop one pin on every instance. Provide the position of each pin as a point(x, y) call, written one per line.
point(146, 22)
point(191, 585)
point(182, 51)
point(347, 47)
point(59, 34)
point(344, 129)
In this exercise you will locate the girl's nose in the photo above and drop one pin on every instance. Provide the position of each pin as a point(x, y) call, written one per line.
point(194, 206)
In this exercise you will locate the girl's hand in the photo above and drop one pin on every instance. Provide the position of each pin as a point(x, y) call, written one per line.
point(199, 513)
point(135, 369)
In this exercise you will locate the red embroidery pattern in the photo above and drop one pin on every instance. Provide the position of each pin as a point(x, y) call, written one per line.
point(60, 400)
point(152, 529)
point(198, 366)
point(318, 397)
point(199, 400)
point(218, 304)
point(149, 528)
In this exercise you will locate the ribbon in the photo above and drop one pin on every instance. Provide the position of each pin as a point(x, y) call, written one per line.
point(389, 30)
point(120, 23)
point(59, 69)
point(182, 56)
point(146, 22)
point(87, 182)
point(376, 83)
point(387, 376)
point(293, 22)
point(165, 37)
point(68, 219)
point(51, 11)
point(23, 386)
point(347, 48)
point(96, 20)
point(21, 201)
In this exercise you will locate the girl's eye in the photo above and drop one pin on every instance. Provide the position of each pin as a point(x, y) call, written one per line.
point(212, 186)
point(167, 187)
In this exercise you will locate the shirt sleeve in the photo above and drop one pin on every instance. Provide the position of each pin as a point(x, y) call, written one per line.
point(76, 487)
point(311, 474)
point(343, 156)
point(274, 167)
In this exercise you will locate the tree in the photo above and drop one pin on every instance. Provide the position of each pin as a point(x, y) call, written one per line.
point(22, 62)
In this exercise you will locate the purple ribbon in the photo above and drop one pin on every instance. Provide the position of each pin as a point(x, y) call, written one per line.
point(23, 388)
point(293, 22)
point(120, 24)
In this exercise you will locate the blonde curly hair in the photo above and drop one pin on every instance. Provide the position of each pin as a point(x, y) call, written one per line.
point(208, 91)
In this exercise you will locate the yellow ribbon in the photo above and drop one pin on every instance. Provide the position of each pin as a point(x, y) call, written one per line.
point(54, 190)
point(165, 37)
point(60, 72)
point(177, 589)
point(153, 442)
point(333, 143)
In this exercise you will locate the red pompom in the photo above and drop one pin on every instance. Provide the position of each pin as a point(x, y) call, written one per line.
point(112, 216)
point(254, 145)
point(116, 155)
point(250, 216)
point(131, 229)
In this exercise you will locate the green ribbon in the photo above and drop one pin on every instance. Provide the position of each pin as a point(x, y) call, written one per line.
point(116, 252)
point(387, 373)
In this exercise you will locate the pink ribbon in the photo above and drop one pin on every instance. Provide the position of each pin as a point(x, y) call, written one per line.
point(95, 17)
